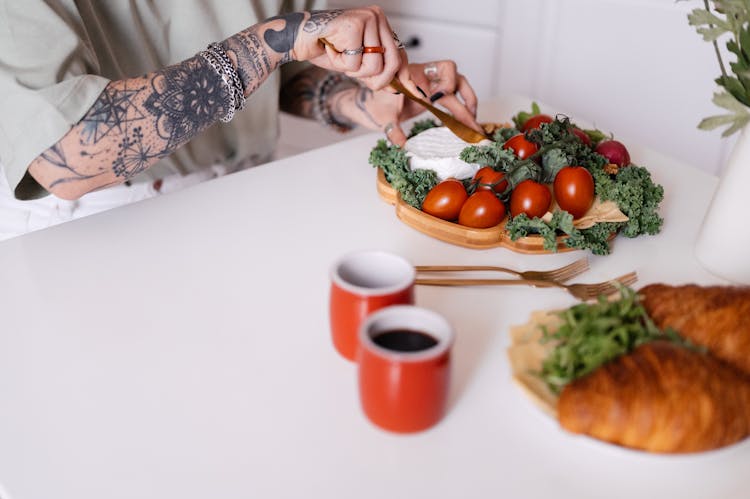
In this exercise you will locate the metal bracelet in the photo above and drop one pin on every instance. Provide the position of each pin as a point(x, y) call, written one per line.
point(211, 59)
point(228, 67)
point(321, 110)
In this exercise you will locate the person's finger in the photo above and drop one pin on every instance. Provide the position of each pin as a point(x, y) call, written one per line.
point(395, 134)
point(459, 111)
point(393, 59)
point(463, 88)
point(372, 62)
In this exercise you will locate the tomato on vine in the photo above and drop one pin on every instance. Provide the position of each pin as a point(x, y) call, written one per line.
point(522, 147)
point(445, 199)
point(531, 198)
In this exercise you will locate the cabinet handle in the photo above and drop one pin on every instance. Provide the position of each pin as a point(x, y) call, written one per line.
point(412, 42)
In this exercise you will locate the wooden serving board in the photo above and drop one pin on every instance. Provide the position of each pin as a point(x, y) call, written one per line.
point(460, 235)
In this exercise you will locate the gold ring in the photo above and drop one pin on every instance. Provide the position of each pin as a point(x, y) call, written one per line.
point(374, 50)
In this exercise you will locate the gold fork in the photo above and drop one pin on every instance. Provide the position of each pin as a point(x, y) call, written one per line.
point(580, 291)
point(560, 275)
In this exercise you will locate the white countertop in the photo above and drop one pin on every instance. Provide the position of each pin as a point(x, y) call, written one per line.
point(179, 348)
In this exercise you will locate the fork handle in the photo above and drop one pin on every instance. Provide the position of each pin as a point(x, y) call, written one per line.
point(459, 268)
point(490, 282)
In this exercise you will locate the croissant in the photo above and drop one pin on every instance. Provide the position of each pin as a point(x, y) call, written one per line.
point(661, 397)
point(716, 317)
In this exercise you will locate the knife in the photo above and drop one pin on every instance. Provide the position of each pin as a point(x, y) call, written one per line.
point(462, 131)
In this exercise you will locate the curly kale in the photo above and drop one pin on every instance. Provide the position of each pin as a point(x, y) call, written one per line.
point(413, 185)
point(490, 155)
point(422, 125)
point(503, 134)
point(561, 222)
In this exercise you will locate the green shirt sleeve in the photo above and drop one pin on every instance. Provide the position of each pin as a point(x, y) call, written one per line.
point(47, 83)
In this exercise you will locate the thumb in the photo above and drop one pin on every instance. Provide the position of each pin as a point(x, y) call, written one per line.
point(395, 134)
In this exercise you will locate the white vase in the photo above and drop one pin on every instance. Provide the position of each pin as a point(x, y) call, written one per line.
point(723, 244)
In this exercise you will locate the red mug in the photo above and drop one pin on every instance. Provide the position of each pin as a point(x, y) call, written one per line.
point(362, 283)
point(404, 368)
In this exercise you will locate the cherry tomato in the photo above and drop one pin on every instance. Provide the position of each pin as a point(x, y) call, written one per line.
point(522, 147)
point(482, 210)
point(574, 190)
point(490, 179)
point(445, 199)
point(531, 198)
point(583, 136)
point(536, 121)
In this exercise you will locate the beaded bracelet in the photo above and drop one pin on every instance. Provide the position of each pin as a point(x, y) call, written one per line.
point(321, 109)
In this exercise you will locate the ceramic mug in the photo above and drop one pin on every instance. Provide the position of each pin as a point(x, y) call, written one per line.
point(362, 283)
point(404, 368)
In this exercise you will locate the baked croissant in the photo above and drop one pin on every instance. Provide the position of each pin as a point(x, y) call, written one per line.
point(716, 317)
point(661, 398)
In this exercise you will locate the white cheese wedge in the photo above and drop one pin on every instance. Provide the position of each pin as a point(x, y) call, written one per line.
point(438, 149)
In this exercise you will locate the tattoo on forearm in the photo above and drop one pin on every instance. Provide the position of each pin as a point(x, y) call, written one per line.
point(319, 19)
point(298, 95)
point(283, 41)
point(56, 156)
point(186, 99)
point(113, 110)
point(251, 58)
point(143, 120)
point(361, 100)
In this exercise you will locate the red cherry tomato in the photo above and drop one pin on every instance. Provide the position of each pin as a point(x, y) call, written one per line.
point(583, 136)
point(574, 190)
point(531, 198)
point(490, 179)
point(536, 121)
point(445, 199)
point(482, 210)
point(522, 147)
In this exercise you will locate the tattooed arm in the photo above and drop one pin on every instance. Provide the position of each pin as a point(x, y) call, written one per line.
point(137, 121)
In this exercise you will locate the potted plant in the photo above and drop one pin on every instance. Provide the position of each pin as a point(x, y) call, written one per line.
point(722, 242)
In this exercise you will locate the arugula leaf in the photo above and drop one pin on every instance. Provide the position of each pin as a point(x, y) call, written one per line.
point(593, 334)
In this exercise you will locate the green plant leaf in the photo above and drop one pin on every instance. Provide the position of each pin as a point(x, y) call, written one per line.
point(708, 25)
point(738, 117)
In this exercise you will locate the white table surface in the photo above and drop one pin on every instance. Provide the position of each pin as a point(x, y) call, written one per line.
point(179, 348)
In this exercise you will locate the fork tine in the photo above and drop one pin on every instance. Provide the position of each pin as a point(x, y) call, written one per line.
point(607, 288)
point(569, 271)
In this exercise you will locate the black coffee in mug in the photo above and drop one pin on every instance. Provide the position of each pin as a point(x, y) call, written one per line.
point(404, 340)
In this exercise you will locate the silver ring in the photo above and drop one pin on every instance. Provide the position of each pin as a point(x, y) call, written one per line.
point(388, 128)
point(431, 71)
point(358, 51)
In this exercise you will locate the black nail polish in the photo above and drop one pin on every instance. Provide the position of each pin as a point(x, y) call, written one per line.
point(437, 96)
point(422, 92)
